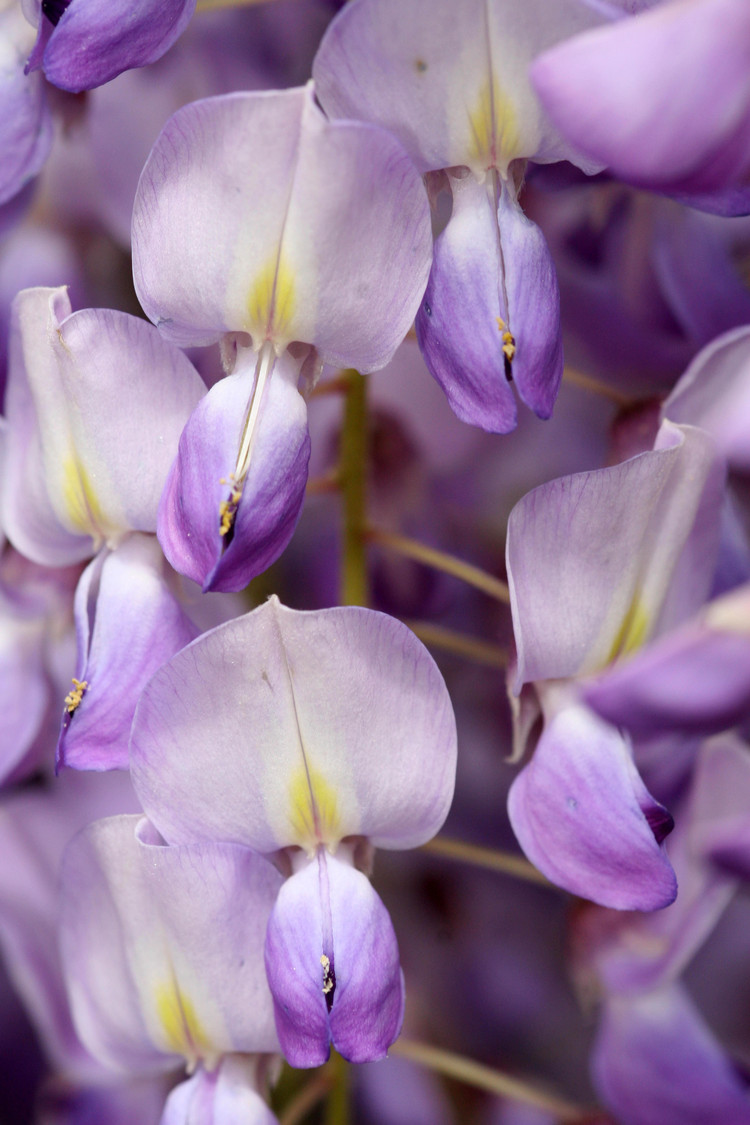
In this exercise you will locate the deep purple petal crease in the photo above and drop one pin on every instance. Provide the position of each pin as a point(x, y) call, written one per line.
point(333, 966)
point(584, 817)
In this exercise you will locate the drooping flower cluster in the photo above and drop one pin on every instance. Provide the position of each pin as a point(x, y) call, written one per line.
point(339, 222)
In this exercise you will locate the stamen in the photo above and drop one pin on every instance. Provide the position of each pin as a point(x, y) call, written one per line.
point(75, 695)
point(54, 10)
point(228, 508)
point(329, 980)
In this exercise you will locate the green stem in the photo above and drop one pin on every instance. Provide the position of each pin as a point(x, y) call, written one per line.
point(440, 560)
point(486, 1078)
point(306, 1099)
point(337, 1105)
point(216, 5)
point(353, 477)
point(493, 860)
point(482, 652)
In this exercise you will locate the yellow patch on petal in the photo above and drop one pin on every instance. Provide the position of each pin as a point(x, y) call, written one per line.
point(183, 1033)
point(271, 301)
point(494, 131)
point(313, 809)
point(632, 632)
point(81, 504)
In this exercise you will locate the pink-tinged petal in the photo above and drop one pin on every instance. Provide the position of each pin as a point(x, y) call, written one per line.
point(25, 122)
point(656, 1062)
point(289, 245)
point(333, 967)
point(225, 554)
point(128, 623)
point(662, 99)
point(226, 1096)
point(95, 40)
point(196, 992)
point(461, 320)
point(96, 404)
point(285, 728)
point(583, 816)
point(449, 78)
point(714, 393)
point(695, 680)
point(594, 558)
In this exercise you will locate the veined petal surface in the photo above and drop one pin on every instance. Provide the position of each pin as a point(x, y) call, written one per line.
point(162, 946)
point(448, 77)
point(96, 404)
point(591, 557)
point(292, 240)
point(285, 728)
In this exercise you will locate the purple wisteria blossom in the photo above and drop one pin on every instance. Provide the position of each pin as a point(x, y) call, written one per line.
point(83, 43)
point(197, 996)
point(319, 734)
point(95, 404)
point(598, 564)
point(279, 258)
point(25, 121)
point(661, 97)
point(451, 81)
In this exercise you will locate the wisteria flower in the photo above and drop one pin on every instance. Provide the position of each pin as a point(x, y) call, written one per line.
point(260, 224)
point(318, 734)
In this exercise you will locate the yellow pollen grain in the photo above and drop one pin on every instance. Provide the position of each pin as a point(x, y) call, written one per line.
point(509, 345)
point(327, 976)
point(228, 508)
point(271, 301)
point(75, 695)
point(494, 132)
point(313, 809)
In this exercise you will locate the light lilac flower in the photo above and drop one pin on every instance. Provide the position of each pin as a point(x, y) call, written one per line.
point(714, 393)
point(662, 98)
point(451, 81)
point(693, 680)
point(83, 43)
point(162, 952)
point(25, 122)
point(281, 258)
point(320, 734)
point(597, 564)
point(95, 404)
point(657, 1062)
